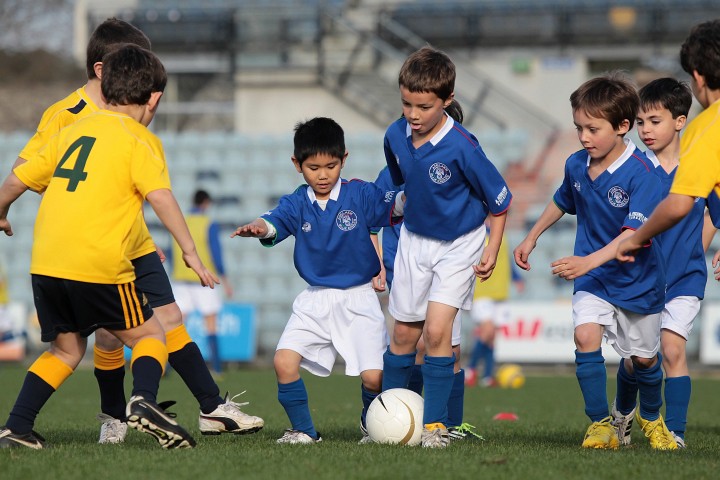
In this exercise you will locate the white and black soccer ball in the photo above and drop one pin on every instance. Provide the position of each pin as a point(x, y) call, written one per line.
point(396, 416)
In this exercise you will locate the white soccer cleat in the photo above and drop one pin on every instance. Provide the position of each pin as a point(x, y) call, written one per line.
point(112, 430)
point(678, 439)
point(623, 425)
point(435, 435)
point(228, 418)
point(365, 436)
point(296, 437)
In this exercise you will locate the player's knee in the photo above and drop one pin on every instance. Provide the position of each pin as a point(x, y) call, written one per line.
point(372, 380)
point(169, 316)
point(642, 362)
point(286, 367)
point(672, 354)
point(106, 341)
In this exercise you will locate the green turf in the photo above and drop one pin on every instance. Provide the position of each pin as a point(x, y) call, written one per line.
point(544, 443)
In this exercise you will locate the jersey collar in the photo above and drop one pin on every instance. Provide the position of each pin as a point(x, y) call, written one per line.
point(447, 126)
point(629, 150)
point(334, 193)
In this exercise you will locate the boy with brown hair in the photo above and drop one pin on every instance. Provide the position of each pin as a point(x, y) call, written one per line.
point(611, 186)
point(217, 415)
point(94, 176)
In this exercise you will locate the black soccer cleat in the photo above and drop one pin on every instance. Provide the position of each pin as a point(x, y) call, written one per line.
point(148, 417)
point(33, 440)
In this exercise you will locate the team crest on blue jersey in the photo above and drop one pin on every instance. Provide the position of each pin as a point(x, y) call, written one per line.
point(306, 227)
point(576, 184)
point(389, 196)
point(439, 173)
point(618, 197)
point(346, 220)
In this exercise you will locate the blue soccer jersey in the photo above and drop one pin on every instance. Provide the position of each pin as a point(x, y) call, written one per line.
point(391, 234)
point(450, 184)
point(332, 246)
point(685, 268)
point(621, 197)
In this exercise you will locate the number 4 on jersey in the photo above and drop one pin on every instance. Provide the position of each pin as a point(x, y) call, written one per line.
point(76, 174)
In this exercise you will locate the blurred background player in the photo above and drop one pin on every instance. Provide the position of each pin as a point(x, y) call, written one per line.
point(452, 188)
point(664, 106)
point(489, 312)
point(94, 176)
point(611, 186)
point(189, 295)
point(216, 414)
point(339, 313)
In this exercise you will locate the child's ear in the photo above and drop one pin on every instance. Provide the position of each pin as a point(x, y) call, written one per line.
point(680, 122)
point(699, 79)
point(624, 127)
point(97, 67)
point(154, 100)
point(298, 167)
point(342, 162)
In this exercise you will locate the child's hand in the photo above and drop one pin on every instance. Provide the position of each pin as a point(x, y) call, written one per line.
point(716, 265)
point(6, 227)
point(627, 249)
point(161, 254)
point(570, 268)
point(378, 282)
point(521, 254)
point(207, 278)
point(255, 229)
point(485, 268)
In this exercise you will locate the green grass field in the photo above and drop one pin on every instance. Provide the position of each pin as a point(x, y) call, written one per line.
point(544, 443)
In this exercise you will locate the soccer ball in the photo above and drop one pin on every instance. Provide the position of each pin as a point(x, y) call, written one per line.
point(510, 375)
point(396, 416)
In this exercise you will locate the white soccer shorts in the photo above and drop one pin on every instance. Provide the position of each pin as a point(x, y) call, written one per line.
point(326, 322)
point(431, 270)
point(484, 309)
point(192, 297)
point(628, 332)
point(679, 314)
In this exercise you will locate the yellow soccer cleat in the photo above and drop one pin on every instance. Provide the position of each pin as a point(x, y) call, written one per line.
point(601, 434)
point(657, 432)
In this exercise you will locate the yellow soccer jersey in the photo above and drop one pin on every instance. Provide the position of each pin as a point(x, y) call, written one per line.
point(199, 226)
point(67, 111)
point(95, 175)
point(497, 286)
point(699, 170)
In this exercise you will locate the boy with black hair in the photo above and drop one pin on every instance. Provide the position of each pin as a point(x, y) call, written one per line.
point(611, 186)
point(94, 176)
point(698, 174)
point(664, 106)
point(339, 313)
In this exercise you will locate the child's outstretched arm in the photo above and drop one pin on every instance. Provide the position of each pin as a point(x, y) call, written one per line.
point(378, 282)
point(258, 228)
point(573, 267)
point(10, 190)
point(488, 260)
point(550, 215)
point(168, 211)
